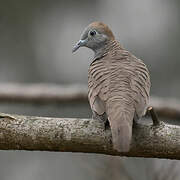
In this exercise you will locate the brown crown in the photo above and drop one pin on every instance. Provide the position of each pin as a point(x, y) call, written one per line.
point(102, 28)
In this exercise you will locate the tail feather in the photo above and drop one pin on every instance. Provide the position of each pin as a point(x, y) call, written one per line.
point(121, 128)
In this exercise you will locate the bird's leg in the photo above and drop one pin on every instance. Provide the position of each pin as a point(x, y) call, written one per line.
point(106, 124)
point(103, 118)
point(135, 120)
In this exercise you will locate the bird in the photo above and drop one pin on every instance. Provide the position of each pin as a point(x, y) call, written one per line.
point(118, 83)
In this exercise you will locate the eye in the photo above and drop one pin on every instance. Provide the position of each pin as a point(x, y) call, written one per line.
point(92, 33)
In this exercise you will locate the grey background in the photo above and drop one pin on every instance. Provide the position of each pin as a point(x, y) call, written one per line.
point(36, 38)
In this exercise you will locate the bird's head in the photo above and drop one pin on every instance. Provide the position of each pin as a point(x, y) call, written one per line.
point(95, 36)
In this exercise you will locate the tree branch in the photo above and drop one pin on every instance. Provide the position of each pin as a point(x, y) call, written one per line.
point(42, 93)
point(51, 93)
point(85, 135)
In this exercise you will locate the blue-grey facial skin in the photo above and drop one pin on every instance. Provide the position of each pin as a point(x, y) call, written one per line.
point(94, 41)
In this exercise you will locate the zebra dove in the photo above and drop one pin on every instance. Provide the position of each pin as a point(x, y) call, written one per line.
point(118, 82)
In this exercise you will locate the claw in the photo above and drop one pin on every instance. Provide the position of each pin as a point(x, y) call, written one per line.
point(103, 118)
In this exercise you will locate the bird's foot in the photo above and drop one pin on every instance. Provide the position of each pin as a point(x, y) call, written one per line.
point(106, 125)
point(135, 123)
point(103, 118)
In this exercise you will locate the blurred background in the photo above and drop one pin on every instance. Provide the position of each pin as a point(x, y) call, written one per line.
point(36, 39)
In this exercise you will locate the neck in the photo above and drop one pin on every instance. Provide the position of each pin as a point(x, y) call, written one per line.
point(105, 49)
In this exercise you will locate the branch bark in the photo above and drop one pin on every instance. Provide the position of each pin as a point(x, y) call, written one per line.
point(51, 93)
point(85, 135)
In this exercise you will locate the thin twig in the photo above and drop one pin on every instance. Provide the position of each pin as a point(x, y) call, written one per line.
point(153, 115)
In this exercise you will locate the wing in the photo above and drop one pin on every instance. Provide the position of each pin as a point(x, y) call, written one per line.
point(121, 75)
point(140, 83)
point(98, 85)
point(130, 81)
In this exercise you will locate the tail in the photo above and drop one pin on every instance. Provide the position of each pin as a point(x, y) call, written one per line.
point(121, 127)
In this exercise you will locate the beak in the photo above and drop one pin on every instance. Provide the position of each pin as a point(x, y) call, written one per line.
point(79, 44)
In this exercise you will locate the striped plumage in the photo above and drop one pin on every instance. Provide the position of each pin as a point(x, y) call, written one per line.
point(119, 86)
